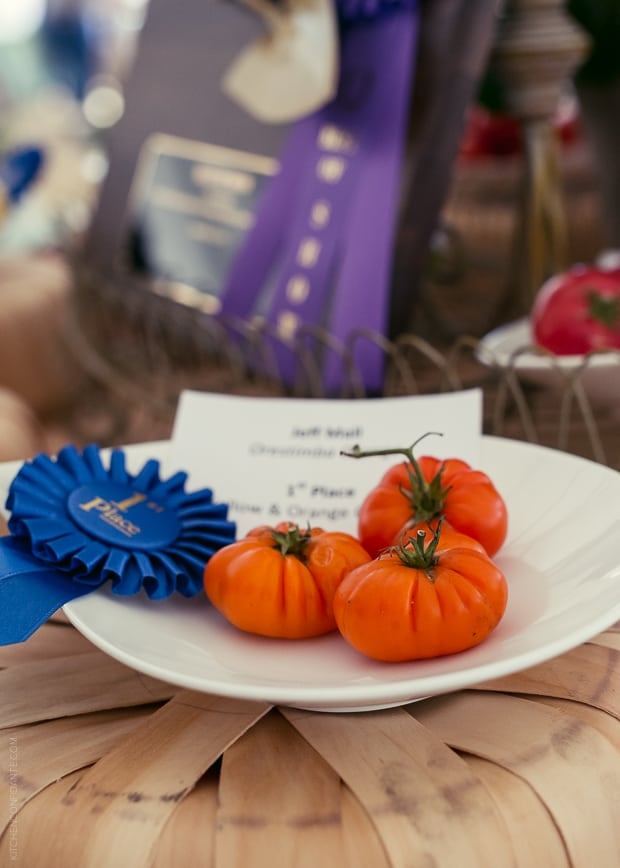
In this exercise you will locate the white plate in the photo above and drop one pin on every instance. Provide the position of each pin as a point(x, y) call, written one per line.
point(561, 559)
point(512, 344)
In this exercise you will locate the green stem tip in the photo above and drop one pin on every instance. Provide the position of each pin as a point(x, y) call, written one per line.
point(427, 498)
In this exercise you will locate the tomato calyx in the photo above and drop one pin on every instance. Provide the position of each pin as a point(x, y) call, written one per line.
point(292, 541)
point(602, 308)
point(417, 553)
point(426, 498)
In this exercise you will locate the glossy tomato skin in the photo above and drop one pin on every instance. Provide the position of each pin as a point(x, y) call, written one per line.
point(395, 613)
point(472, 506)
point(578, 311)
point(261, 590)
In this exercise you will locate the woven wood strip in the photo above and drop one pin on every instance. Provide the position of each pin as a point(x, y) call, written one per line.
point(31, 757)
point(589, 674)
point(126, 798)
point(24, 844)
point(606, 724)
point(519, 783)
point(413, 788)
point(361, 843)
point(610, 639)
point(535, 840)
point(256, 809)
point(559, 755)
point(188, 837)
point(50, 640)
point(61, 687)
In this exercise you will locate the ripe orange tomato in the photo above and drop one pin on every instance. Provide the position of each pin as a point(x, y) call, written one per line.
point(280, 581)
point(417, 491)
point(416, 601)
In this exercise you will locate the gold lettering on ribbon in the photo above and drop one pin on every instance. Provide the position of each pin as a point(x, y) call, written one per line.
point(331, 169)
point(288, 324)
point(110, 512)
point(126, 504)
point(332, 138)
point(320, 214)
point(297, 289)
point(98, 503)
point(308, 252)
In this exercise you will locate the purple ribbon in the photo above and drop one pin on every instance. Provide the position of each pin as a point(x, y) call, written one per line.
point(363, 293)
point(321, 247)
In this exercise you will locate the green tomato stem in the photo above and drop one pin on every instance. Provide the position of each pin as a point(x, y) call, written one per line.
point(415, 554)
point(603, 309)
point(427, 498)
point(292, 542)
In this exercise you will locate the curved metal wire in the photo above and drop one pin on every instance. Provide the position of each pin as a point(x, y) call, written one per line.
point(140, 351)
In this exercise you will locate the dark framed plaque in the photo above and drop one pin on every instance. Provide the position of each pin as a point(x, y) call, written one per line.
point(190, 207)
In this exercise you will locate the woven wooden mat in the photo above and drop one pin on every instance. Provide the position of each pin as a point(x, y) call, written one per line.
point(102, 766)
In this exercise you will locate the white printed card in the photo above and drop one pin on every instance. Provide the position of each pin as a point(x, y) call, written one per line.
point(280, 459)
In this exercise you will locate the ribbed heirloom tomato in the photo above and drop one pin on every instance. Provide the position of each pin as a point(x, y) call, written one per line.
point(417, 491)
point(417, 601)
point(280, 581)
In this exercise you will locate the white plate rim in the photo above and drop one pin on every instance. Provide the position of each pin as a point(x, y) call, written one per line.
point(353, 699)
point(511, 343)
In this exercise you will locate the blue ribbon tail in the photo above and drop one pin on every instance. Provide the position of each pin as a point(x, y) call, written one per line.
point(30, 592)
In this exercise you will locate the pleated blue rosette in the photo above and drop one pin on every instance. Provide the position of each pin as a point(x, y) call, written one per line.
point(76, 524)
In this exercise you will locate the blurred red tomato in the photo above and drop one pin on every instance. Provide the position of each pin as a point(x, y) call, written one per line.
point(493, 134)
point(490, 135)
point(578, 311)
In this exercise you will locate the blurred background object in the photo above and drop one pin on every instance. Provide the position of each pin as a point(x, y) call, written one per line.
point(62, 67)
point(597, 83)
point(19, 169)
point(536, 186)
point(21, 432)
point(68, 71)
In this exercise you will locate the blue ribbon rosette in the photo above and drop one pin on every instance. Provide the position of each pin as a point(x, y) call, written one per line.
point(76, 524)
